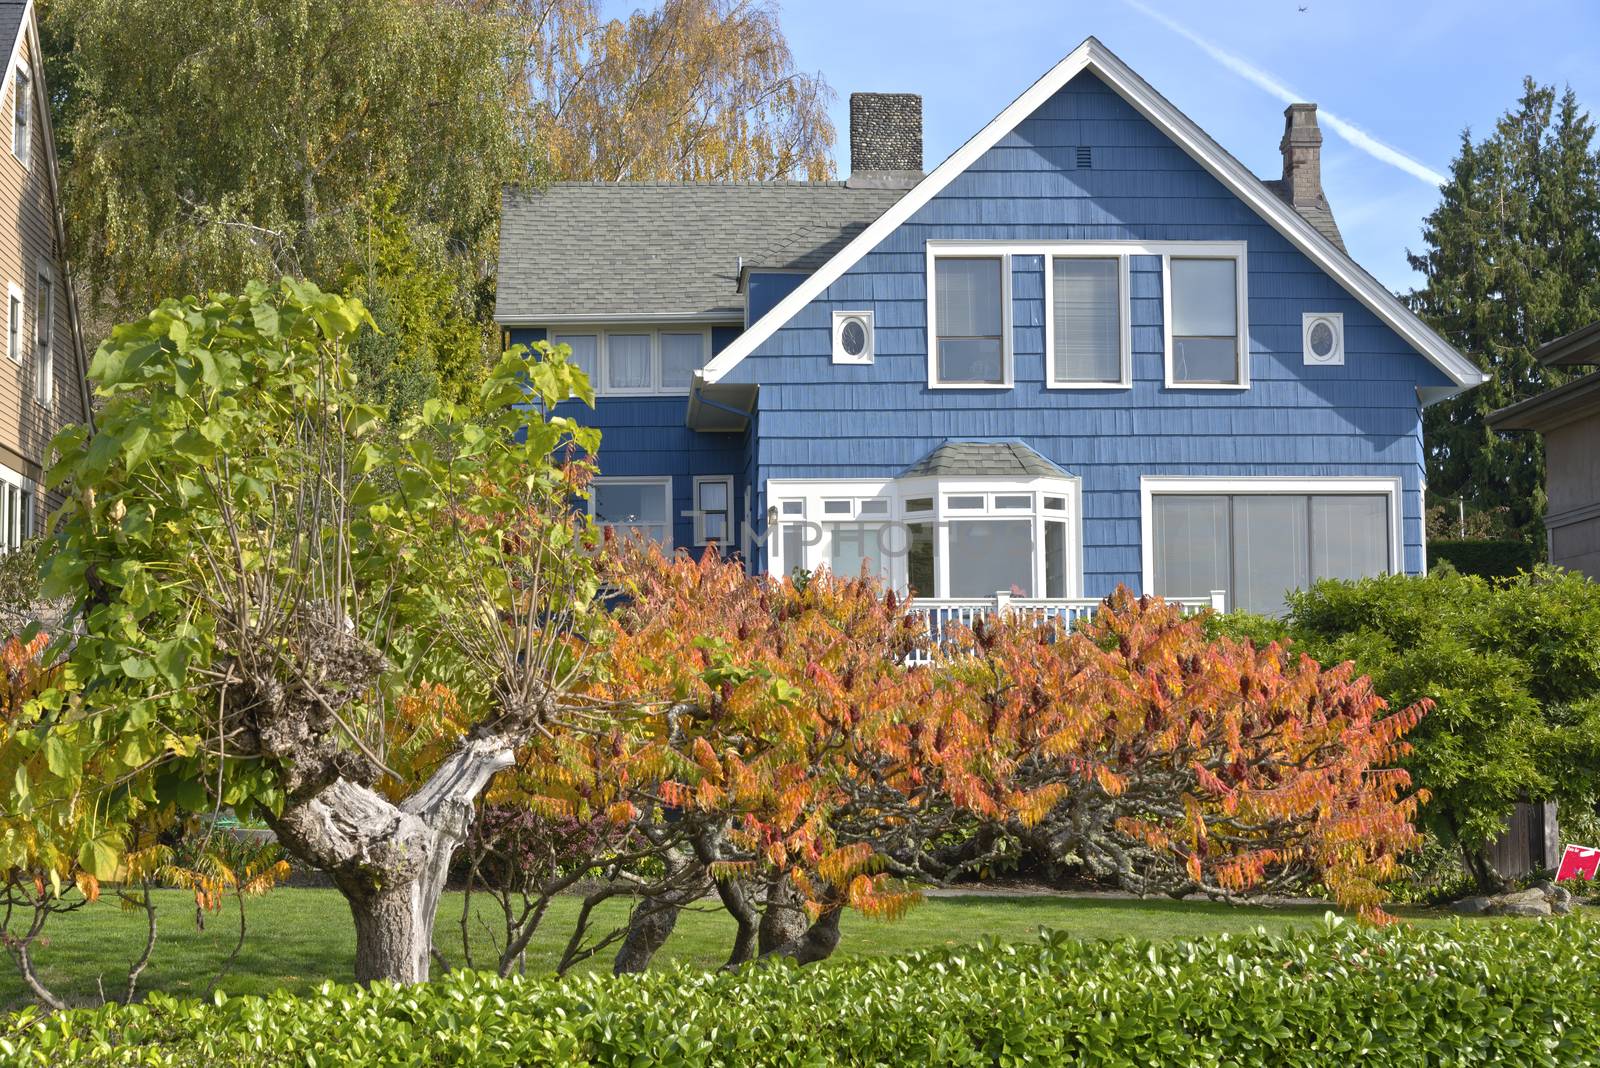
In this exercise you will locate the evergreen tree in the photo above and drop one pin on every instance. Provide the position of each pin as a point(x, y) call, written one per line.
point(1513, 260)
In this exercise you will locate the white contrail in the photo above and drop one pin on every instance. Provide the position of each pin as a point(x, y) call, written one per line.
point(1347, 130)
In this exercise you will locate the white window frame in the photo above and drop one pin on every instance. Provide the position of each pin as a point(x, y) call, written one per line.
point(1090, 251)
point(662, 482)
point(16, 312)
point(938, 250)
point(19, 501)
point(23, 151)
point(1336, 322)
point(700, 538)
point(812, 493)
point(840, 318)
point(44, 347)
point(601, 335)
point(1209, 250)
point(1152, 486)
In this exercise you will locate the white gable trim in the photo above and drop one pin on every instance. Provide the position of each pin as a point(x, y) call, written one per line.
point(1093, 56)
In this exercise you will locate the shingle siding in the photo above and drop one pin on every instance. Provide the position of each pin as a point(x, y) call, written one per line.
point(647, 436)
point(1361, 419)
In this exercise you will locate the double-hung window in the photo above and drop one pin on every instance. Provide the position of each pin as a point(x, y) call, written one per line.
point(1257, 541)
point(44, 366)
point(713, 504)
point(634, 507)
point(22, 113)
point(1206, 344)
point(636, 361)
point(1087, 329)
point(970, 346)
point(14, 306)
point(16, 509)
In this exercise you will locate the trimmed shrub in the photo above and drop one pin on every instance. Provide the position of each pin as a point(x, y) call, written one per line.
point(1489, 992)
point(1489, 559)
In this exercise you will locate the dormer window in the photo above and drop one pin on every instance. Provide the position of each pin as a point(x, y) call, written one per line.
point(22, 113)
point(637, 360)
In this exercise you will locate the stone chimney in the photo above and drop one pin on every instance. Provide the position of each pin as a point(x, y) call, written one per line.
point(885, 139)
point(1302, 157)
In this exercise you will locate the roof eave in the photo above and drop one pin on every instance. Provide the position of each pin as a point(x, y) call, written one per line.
point(1566, 403)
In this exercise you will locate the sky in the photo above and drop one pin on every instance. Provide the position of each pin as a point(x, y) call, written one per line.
point(1396, 81)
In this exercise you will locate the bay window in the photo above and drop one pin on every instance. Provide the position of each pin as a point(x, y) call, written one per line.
point(965, 538)
point(1258, 539)
point(634, 507)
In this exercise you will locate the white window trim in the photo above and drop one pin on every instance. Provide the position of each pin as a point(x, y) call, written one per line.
point(23, 70)
point(1214, 250)
point(45, 398)
point(699, 517)
point(844, 358)
point(16, 480)
point(1090, 251)
point(654, 332)
point(1151, 486)
point(1334, 358)
point(897, 491)
point(14, 293)
point(937, 250)
point(662, 482)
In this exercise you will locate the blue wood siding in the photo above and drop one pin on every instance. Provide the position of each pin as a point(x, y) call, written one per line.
point(1362, 419)
point(648, 436)
point(763, 290)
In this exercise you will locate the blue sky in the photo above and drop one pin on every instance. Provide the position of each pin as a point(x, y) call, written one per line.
point(1410, 73)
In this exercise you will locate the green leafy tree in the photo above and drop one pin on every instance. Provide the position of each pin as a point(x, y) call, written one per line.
point(263, 576)
point(1512, 260)
point(1513, 670)
point(210, 142)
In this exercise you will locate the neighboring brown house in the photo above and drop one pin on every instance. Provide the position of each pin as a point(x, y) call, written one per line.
point(43, 386)
point(1569, 418)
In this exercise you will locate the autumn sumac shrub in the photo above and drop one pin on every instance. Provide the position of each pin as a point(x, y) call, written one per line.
point(1173, 762)
point(1473, 994)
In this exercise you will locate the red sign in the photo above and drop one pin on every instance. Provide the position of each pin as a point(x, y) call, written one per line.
point(1579, 860)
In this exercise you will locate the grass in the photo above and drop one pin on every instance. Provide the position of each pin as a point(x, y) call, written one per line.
point(299, 937)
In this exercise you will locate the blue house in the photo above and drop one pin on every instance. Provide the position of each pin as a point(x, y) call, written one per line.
point(1089, 348)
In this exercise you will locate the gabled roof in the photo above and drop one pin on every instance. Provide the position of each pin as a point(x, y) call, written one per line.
point(1093, 56)
point(1576, 349)
point(587, 252)
point(983, 459)
point(1577, 399)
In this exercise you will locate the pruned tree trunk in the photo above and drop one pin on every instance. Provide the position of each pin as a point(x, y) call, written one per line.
point(654, 917)
point(816, 943)
point(783, 921)
point(391, 861)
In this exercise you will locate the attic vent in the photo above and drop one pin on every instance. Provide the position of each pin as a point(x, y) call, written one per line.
point(1085, 156)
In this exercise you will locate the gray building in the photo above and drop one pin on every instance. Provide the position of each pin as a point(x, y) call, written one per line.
point(1569, 419)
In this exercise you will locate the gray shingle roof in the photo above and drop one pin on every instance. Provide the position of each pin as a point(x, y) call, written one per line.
point(1320, 217)
point(983, 459)
point(11, 21)
point(645, 249)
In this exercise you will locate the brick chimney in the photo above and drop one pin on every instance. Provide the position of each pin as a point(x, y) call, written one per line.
point(1302, 157)
point(885, 139)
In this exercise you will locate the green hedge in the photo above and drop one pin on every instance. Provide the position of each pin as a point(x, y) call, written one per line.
point(1491, 559)
point(1489, 992)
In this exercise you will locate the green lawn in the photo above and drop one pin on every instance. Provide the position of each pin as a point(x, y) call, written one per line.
point(298, 937)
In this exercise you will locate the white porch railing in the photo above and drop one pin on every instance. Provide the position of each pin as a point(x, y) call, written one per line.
point(945, 614)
